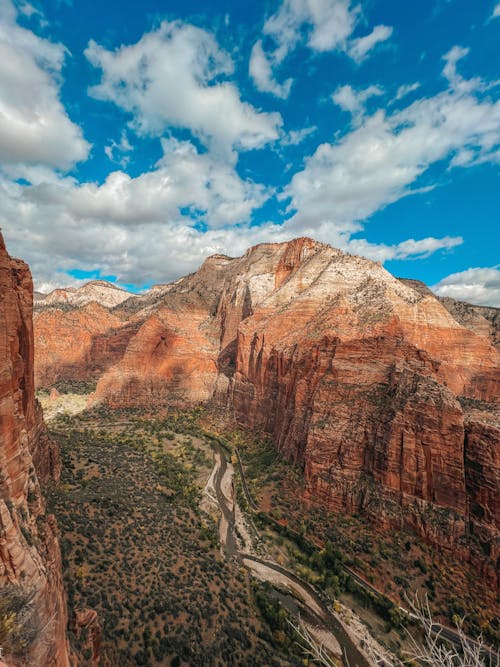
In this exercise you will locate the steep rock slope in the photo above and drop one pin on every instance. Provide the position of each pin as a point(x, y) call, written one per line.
point(78, 343)
point(368, 382)
point(173, 356)
point(30, 562)
point(484, 320)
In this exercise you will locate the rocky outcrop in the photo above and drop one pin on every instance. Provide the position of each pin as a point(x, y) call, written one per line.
point(31, 587)
point(381, 392)
point(86, 622)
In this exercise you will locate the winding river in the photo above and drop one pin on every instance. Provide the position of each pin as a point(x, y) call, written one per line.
point(303, 599)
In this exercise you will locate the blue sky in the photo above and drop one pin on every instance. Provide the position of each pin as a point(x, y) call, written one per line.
point(138, 138)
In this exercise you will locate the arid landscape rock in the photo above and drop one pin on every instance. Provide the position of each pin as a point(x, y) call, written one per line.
point(87, 620)
point(30, 561)
point(385, 395)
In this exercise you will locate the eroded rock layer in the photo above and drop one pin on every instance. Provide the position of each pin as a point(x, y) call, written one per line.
point(30, 562)
point(381, 392)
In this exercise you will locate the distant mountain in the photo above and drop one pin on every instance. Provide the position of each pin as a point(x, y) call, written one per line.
point(98, 291)
point(483, 320)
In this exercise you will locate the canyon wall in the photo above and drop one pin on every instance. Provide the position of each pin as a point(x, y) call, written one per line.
point(386, 396)
point(31, 590)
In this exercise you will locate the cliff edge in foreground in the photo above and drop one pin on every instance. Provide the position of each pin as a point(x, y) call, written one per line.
point(32, 600)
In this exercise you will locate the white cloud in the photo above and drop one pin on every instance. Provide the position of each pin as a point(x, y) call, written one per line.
point(260, 69)
point(329, 23)
point(451, 59)
point(34, 126)
point(496, 11)
point(478, 285)
point(90, 228)
point(138, 228)
point(296, 137)
point(174, 76)
point(345, 182)
point(359, 48)
point(77, 237)
point(119, 151)
point(406, 89)
point(141, 229)
point(325, 25)
point(183, 178)
point(354, 101)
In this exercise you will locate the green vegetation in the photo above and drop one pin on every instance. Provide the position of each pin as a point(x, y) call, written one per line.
point(19, 625)
point(137, 548)
point(80, 387)
point(278, 619)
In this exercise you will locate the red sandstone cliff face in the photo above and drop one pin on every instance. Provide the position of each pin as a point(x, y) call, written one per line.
point(368, 382)
point(78, 343)
point(30, 562)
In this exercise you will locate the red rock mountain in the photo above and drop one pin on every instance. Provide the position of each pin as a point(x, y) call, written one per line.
point(30, 561)
point(387, 396)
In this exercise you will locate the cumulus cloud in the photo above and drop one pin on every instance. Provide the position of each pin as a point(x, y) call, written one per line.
point(176, 76)
point(34, 126)
point(477, 285)
point(152, 252)
point(329, 23)
point(153, 227)
point(182, 179)
point(496, 11)
point(162, 223)
point(81, 228)
point(345, 182)
point(326, 25)
point(141, 229)
point(359, 48)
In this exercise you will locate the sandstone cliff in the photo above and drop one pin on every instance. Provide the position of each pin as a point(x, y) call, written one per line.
point(31, 591)
point(78, 343)
point(381, 392)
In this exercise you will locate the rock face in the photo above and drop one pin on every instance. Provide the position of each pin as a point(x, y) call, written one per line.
point(382, 393)
point(483, 320)
point(30, 561)
point(78, 343)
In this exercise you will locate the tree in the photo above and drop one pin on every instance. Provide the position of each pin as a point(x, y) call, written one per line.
point(432, 651)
